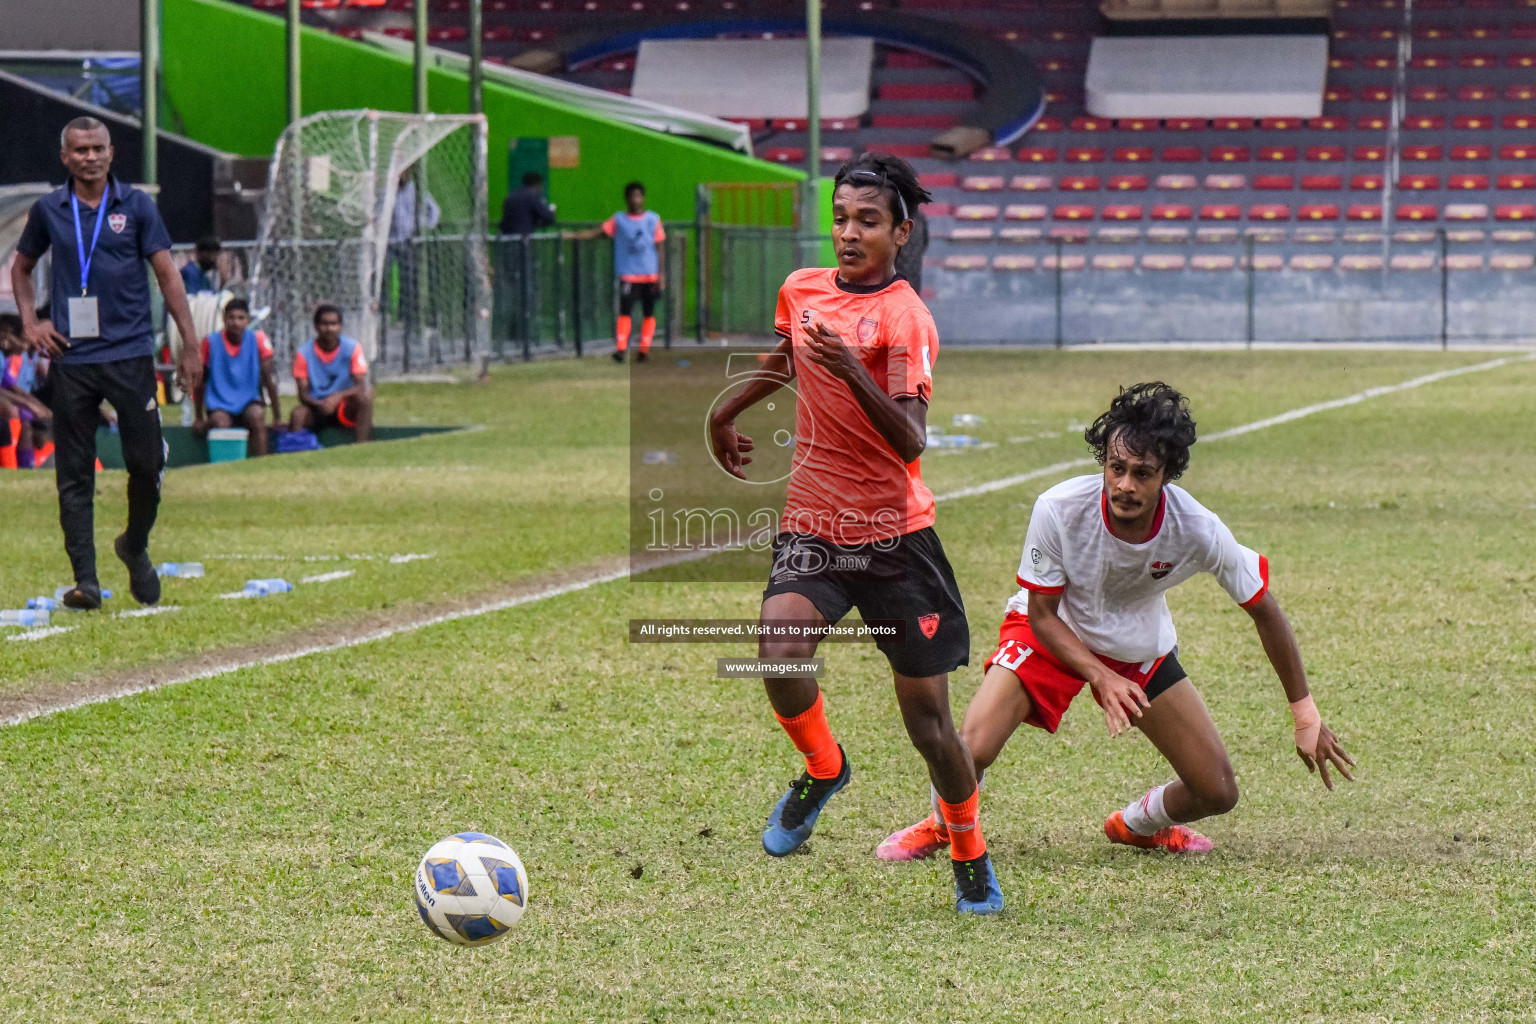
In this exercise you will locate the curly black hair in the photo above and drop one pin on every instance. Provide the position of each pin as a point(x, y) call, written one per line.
point(1149, 419)
point(895, 174)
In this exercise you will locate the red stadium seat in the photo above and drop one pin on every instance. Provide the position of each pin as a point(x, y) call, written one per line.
point(1376, 94)
point(497, 34)
point(1361, 211)
point(1466, 211)
point(1024, 211)
point(1422, 32)
point(1138, 124)
point(839, 124)
point(1471, 152)
point(1517, 181)
point(1338, 94)
point(1078, 183)
point(1419, 182)
point(1520, 60)
point(1523, 30)
point(1127, 183)
point(836, 154)
point(1341, 62)
point(1428, 93)
point(787, 155)
point(991, 155)
point(939, 209)
point(1475, 93)
point(1038, 155)
point(1372, 123)
point(1221, 211)
point(1425, 62)
point(1474, 122)
point(1421, 153)
point(1274, 182)
point(1185, 124)
point(1032, 183)
point(1326, 154)
point(939, 180)
point(975, 211)
point(1181, 154)
point(1092, 124)
point(1480, 32)
point(1473, 61)
point(1322, 182)
point(932, 122)
point(1417, 212)
point(1518, 151)
point(1520, 93)
point(1280, 124)
point(1084, 155)
point(1232, 124)
point(1378, 62)
point(758, 124)
point(982, 183)
point(1319, 211)
point(1522, 211)
point(1269, 211)
point(905, 150)
point(1514, 122)
point(1370, 154)
point(1467, 181)
point(1230, 154)
point(1365, 183)
point(1424, 122)
point(1276, 154)
point(1329, 124)
point(1172, 211)
point(942, 91)
point(1073, 213)
point(1135, 155)
point(1117, 211)
point(1047, 124)
point(1220, 182)
point(1176, 182)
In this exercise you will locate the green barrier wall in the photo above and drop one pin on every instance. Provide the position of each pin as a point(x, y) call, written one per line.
point(224, 80)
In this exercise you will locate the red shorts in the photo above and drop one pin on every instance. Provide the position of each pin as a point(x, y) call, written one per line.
point(1051, 685)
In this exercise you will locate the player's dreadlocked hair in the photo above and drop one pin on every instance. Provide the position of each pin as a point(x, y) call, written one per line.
point(886, 172)
point(1149, 419)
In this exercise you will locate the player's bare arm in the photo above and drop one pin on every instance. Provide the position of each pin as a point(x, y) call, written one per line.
point(731, 445)
point(190, 366)
point(39, 334)
point(1121, 698)
point(269, 384)
point(903, 422)
point(1317, 748)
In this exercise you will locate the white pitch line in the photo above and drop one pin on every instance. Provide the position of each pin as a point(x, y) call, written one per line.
point(612, 576)
point(139, 613)
point(326, 577)
point(40, 633)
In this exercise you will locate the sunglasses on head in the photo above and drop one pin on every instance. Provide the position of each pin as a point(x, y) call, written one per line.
point(878, 180)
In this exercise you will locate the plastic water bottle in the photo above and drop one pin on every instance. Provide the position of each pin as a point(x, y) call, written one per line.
point(23, 617)
point(180, 570)
point(187, 412)
point(46, 604)
point(966, 419)
point(60, 591)
point(261, 588)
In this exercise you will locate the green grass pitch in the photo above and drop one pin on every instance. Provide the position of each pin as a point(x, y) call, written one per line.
point(240, 849)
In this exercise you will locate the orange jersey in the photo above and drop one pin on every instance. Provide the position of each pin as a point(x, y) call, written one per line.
point(847, 484)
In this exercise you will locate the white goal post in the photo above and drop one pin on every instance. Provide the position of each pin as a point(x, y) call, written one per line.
point(342, 225)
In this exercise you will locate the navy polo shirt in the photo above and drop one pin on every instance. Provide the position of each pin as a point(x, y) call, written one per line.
point(119, 279)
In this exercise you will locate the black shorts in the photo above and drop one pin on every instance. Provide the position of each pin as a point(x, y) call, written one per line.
point(910, 582)
point(646, 291)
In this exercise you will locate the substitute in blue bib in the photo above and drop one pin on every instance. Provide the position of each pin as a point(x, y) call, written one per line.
point(237, 364)
point(100, 339)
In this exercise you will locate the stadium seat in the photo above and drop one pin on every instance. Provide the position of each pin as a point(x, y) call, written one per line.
point(938, 209)
point(905, 150)
point(1073, 212)
point(1511, 261)
point(1412, 236)
point(1466, 211)
point(1517, 122)
point(1322, 182)
point(1015, 233)
point(982, 183)
point(836, 154)
point(938, 180)
point(1517, 152)
point(1069, 261)
point(839, 124)
point(785, 154)
point(1172, 211)
point(1048, 124)
point(1216, 234)
point(1326, 154)
point(1475, 93)
point(1185, 124)
point(1421, 62)
point(1230, 154)
point(1209, 261)
point(1417, 212)
point(1338, 94)
point(1359, 261)
point(1162, 261)
point(1311, 261)
point(1419, 182)
point(970, 234)
point(1269, 211)
point(1413, 261)
point(1276, 154)
point(1520, 93)
point(1134, 155)
point(1176, 182)
point(1523, 30)
point(1424, 123)
point(1074, 233)
point(1513, 235)
point(1376, 94)
point(1092, 124)
point(1137, 124)
point(1520, 60)
point(921, 91)
point(1274, 182)
point(1515, 211)
point(1032, 183)
point(1127, 183)
point(1267, 261)
point(1024, 211)
point(1280, 124)
point(1329, 124)
point(1370, 154)
point(1467, 181)
point(931, 122)
point(1084, 155)
point(1517, 181)
point(1221, 211)
point(1118, 211)
point(1013, 261)
point(1427, 93)
point(1232, 124)
point(1038, 155)
point(1318, 211)
point(1341, 62)
point(1181, 154)
point(1314, 232)
point(991, 154)
point(1473, 122)
point(1226, 181)
point(975, 211)
point(1113, 261)
point(1078, 183)
point(1421, 153)
point(1118, 234)
point(965, 261)
point(1471, 152)
point(1371, 123)
point(758, 124)
point(1480, 32)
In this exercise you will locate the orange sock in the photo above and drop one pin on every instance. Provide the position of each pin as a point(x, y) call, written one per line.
point(43, 452)
point(621, 333)
point(965, 838)
point(812, 736)
point(647, 333)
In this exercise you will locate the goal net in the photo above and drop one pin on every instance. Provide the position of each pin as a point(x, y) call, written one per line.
point(383, 215)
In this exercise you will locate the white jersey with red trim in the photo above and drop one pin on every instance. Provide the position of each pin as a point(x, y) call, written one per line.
point(1112, 590)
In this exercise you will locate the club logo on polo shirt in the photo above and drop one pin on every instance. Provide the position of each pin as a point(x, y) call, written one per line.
point(1161, 569)
point(117, 221)
point(867, 329)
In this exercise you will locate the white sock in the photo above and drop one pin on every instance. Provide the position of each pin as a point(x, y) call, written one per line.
point(1146, 815)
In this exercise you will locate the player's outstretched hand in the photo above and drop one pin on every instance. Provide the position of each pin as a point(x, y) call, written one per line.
point(730, 446)
point(1329, 751)
point(825, 347)
point(189, 370)
point(1121, 699)
point(44, 340)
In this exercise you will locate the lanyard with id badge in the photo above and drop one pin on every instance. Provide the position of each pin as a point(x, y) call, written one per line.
point(84, 318)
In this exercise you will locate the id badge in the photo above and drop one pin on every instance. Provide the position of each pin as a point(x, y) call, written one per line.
point(83, 322)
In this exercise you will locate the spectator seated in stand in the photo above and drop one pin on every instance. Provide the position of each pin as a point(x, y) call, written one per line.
point(237, 367)
point(332, 377)
point(202, 273)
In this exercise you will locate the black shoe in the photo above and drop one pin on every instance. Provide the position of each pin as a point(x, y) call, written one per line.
point(794, 816)
point(618, 357)
point(143, 584)
point(85, 597)
point(976, 888)
point(641, 357)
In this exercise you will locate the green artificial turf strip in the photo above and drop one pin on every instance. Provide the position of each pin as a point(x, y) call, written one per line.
point(241, 848)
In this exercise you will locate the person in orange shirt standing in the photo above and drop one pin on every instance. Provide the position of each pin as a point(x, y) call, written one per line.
point(857, 529)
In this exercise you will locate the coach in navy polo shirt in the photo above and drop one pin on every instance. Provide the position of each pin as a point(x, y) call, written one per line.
point(101, 342)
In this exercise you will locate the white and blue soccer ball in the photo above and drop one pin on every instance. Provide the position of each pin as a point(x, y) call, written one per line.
point(471, 888)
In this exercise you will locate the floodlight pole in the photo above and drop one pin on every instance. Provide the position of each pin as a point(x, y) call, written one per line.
point(293, 36)
point(419, 59)
point(810, 211)
point(149, 89)
point(476, 71)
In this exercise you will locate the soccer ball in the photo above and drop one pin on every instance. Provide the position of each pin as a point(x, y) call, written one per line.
point(471, 888)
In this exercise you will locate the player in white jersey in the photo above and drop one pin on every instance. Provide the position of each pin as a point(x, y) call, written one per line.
point(1100, 554)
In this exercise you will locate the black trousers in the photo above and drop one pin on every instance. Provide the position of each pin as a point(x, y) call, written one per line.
point(77, 391)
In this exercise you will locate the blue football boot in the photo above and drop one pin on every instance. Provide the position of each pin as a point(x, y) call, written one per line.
point(794, 816)
point(976, 888)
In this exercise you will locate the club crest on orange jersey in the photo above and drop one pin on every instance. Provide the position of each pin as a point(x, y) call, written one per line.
point(929, 624)
point(1161, 569)
point(867, 329)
